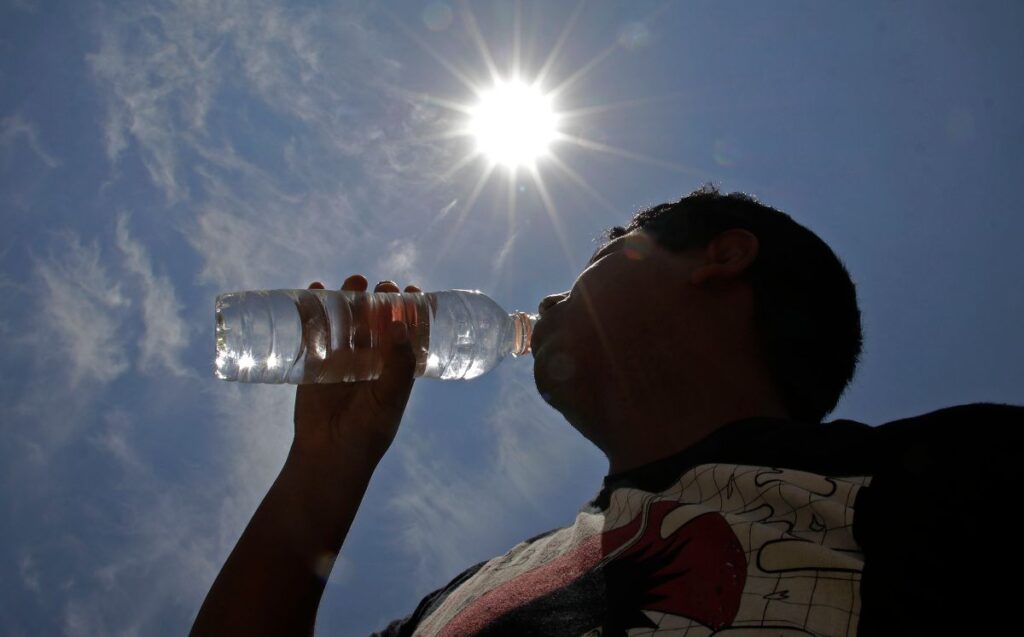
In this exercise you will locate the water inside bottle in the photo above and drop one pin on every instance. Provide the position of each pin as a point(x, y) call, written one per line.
point(321, 336)
point(344, 335)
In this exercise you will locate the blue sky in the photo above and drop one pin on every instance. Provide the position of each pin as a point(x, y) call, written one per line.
point(156, 153)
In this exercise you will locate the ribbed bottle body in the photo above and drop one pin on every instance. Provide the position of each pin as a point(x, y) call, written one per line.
point(326, 336)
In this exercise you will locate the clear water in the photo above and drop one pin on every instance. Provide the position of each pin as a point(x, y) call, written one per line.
point(325, 336)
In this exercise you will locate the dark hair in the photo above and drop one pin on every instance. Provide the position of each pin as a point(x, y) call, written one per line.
point(805, 304)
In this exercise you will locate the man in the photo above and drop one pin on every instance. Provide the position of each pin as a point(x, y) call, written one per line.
point(699, 350)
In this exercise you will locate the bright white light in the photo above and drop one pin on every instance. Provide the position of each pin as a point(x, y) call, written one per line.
point(514, 124)
point(246, 361)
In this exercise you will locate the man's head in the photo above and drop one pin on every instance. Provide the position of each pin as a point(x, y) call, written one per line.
point(716, 287)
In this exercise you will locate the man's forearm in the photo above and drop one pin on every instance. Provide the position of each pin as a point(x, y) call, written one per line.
point(272, 581)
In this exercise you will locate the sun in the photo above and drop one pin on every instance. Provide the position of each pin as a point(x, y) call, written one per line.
point(524, 119)
point(513, 123)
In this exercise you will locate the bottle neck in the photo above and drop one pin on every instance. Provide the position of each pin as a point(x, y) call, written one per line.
point(522, 326)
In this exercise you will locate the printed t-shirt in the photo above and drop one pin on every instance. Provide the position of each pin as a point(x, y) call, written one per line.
point(772, 527)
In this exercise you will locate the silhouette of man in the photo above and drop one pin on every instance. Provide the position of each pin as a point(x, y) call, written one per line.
point(699, 350)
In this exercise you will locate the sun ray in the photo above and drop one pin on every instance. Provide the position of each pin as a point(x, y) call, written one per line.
point(497, 267)
point(557, 49)
point(598, 109)
point(449, 66)
point(514, 123)
point(517, 38)
point(584, 186)
point(604, 341)
point(513, 183)
point(464, 161)
point(579, 74)
point(421, 97)
point(582, 71)
point(556, 222)
point(469, 21)
point(637, 157)
point(454, 133)
point(602, 336)
point(477, 189)
point(442, 213)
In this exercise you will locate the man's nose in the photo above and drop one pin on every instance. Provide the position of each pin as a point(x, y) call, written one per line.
point(550, 300)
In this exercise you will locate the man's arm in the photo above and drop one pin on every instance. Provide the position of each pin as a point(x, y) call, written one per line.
point(272, 582)
point(273, 579)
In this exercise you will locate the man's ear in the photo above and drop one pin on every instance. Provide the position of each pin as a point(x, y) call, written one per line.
point(727, 256)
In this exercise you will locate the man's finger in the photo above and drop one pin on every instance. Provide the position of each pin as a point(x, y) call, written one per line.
point(355, 283)
point(386, 286)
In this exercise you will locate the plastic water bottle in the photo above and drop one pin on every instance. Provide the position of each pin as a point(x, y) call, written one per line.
point(327, 336)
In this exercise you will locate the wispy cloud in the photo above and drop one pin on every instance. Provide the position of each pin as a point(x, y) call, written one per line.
point(156, 66)
point(180, 527)
point(452, 513)
point(15, 127)
point(164, 334)
point(80, 311)
point(29, 573)
point(114, 440)
point(165, 67)
point(400, 261)
point(29, 6)
point(138, 85)
point(537, 451)
point(268, 131)
point(338, 150)
point(264, 237)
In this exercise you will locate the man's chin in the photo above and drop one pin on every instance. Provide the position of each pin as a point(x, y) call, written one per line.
point(557, 390)
point(549, 390)
point(556, 366)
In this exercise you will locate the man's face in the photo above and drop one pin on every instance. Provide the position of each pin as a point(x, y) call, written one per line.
point(618, 332)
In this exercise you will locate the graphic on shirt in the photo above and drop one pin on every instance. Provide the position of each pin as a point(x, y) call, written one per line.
point(727, 549)
point(696, 570)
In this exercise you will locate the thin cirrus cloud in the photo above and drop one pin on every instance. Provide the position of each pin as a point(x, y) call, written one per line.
point(183, 96)
point(180, 527)
point(165, 334)
point(81, 310)
point(453, 512)
point(164, 78)
point(279, 217)
point(15, 128)
point(86, 305)
point(252, 234)
point(139, 108)
point(276, 165)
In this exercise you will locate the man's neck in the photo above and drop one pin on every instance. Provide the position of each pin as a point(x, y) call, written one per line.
point(645, 435)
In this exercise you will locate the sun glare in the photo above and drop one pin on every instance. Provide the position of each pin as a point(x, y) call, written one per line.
point(513, 124)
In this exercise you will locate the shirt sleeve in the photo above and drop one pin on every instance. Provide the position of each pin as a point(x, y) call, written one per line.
point(407, 625)
point(938, 524)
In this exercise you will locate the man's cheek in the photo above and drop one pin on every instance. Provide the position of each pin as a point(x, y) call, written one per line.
point(559, 367)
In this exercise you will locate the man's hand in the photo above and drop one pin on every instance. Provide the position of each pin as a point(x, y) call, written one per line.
point(364, 416)
point(272, 582)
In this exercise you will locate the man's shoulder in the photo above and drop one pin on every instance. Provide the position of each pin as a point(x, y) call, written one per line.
point(932, 523)
point(958, 428)
point(976, 414)
point(941, 472)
